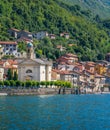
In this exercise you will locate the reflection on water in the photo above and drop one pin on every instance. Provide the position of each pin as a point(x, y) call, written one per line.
point(60, 112)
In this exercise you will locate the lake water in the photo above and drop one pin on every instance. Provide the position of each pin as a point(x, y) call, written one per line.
point(59, 112)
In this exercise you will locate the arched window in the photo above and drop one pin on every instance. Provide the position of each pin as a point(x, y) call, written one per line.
point(29, 71)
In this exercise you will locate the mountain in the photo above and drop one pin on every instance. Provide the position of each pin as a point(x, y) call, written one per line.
point(91, 40)
point(100, 7)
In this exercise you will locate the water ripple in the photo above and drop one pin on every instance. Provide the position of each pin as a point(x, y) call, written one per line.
point(59, 112)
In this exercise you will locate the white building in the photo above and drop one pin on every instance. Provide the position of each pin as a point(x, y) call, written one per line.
point(1, 73)
point(32, 68)
point(9, 48)
point(40, 35)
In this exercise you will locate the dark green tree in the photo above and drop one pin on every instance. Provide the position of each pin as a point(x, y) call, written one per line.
point(6, 83)
point(9, 74)
point(15, 77)
point(18, 83)
point(28, 84)
point(12, 83)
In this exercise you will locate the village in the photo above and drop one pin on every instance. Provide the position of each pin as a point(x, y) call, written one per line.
point(90, 76)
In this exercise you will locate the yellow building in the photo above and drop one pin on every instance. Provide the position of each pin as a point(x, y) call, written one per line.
point(100, 69)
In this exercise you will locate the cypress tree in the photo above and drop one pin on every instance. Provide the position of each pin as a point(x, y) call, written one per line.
point(9, 74)
point(15, 77)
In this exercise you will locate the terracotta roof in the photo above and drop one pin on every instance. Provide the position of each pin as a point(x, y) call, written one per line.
point(65, 72)
point(88, 71)
point(24, 39)
point(15, 29)
point(99, 76)
point(65, 33)
point(10, 67)
point(91, 64)
point(25, 31)
point(52, 35)
point(59, 46)
point(79, 67)
point(1, 62)
point(72, 45)
point(8, 42)
point(77, 72)
point(71, 55)
point(55, 70)
point(12, 62)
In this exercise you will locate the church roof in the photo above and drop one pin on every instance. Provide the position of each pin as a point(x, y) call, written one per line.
point(45, 62)
point(29, 44)
point(39, 61)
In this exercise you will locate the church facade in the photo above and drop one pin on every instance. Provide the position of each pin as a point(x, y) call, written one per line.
point(32, 68)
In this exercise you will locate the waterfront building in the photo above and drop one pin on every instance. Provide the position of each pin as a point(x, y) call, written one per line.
point(1, 72)
point(5, 65)
point(100, 69)
point(31, 68)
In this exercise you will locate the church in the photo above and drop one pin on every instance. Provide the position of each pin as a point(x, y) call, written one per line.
point(32, 68)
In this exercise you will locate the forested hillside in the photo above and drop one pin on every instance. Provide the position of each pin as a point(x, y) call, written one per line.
point(100, 7)
point(91, 40)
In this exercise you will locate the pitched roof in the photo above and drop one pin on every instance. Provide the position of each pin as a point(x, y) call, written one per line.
point(65, 72)
point(15, 29)
point(8, 42)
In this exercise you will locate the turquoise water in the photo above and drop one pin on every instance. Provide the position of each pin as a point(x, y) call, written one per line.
point(60, 112)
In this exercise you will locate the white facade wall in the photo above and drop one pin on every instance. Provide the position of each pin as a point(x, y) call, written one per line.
point(1, 73)
point(48, 72)
point(36, 73)
point(42, 73)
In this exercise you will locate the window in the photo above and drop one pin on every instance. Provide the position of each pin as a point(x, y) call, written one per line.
point(29, 71)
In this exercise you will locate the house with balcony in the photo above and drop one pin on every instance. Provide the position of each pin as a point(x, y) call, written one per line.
point(99, 82)
point(9, 48)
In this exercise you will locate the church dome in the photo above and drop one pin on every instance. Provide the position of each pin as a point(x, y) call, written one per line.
point(29, 44)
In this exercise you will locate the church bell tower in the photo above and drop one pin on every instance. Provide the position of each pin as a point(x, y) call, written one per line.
point(30, 51)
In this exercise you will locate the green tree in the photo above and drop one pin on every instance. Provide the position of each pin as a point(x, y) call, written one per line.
point(15, 77)
point(28, 84)
point(1, 83)
point(37, 83)
point(9, 74)
point(33, 83)
point(6, 83)
point(23, 84)
point(18, 83)
point(12, 83)
point(43, 83)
